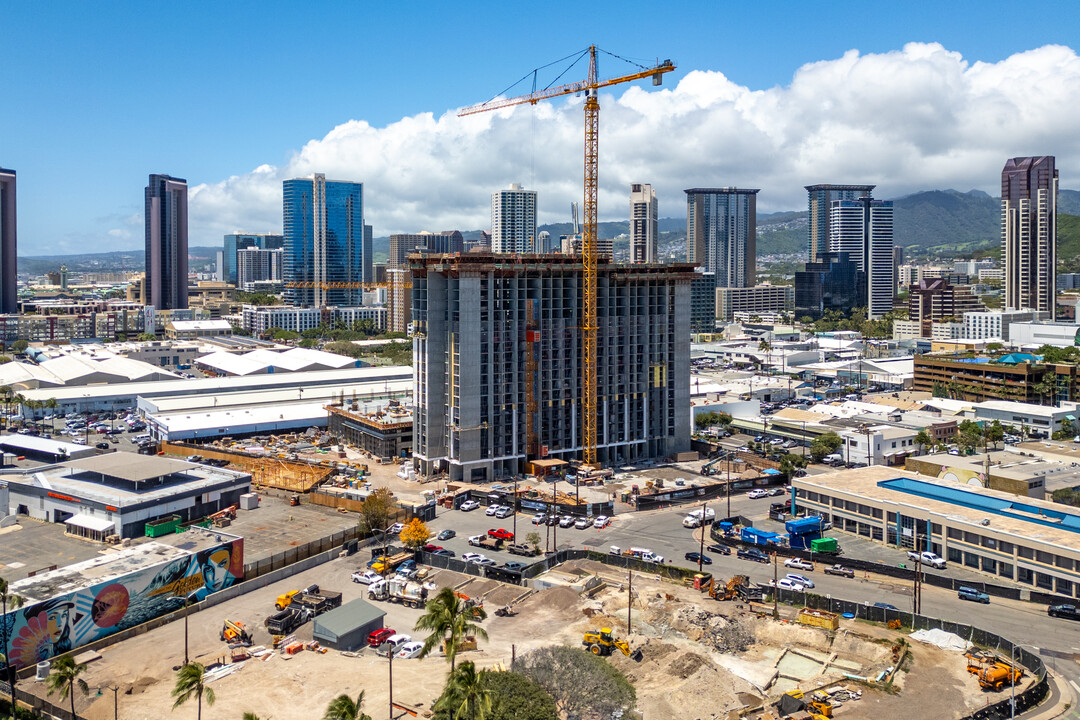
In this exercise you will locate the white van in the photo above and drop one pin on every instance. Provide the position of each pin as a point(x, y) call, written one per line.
point(834, 459)
point(145, 437)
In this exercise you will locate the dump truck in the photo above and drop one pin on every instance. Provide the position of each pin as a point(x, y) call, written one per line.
point(318, 602)
point(993, 672)
point(602, 642)
point(408, 593)
point(385, 565)
point(739, 586)
point(286, 621)
point(285, 599)
point(235, 631)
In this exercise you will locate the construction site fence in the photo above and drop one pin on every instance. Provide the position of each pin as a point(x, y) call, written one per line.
point(688, 495)
point(901, 572)
point(292, 475)
point(536, 505)
point(300, 553)
point(1025, 700)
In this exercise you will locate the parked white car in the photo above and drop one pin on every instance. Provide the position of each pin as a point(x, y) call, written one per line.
point(582, 523)
point(801, 580)
point(366, 577)
point(492, 509)
point(410, 650)
point(470, 557)
point(927, 558)
point(469, 505)
point(799, 564)
point(787, 584)
point(396, 528)
point(757, 493)
point(539, 519)
point(602, 521)
point(396, 642)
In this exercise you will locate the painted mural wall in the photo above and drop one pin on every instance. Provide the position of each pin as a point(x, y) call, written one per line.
point(38, 632)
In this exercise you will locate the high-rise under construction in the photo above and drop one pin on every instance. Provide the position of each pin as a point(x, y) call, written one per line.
point(497, 362)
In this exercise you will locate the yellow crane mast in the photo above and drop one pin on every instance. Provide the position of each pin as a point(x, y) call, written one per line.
point(590, 86)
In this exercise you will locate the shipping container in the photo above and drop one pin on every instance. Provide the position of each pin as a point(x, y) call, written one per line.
point(824, 545)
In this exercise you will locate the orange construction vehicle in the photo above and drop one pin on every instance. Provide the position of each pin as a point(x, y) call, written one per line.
point(994, 673)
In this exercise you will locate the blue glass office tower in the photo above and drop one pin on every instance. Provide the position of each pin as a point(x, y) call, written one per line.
point(245, 241)
point(324, 242)
point(9, 300)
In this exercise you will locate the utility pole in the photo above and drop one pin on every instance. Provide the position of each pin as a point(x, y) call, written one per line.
point(729, 482)
point(547, 531)
point(701, 553)
point(391, 656)
point(629, 598)
point(515, 507)
point(917, 589)
point(775, 590)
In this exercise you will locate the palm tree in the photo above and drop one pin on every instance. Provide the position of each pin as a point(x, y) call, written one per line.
point(449, 620)
point(191, 683)
point(51, 404)
point(343, 708)
point(466, 697)
point(16, 602)
point(766, 347)
point(64, 678)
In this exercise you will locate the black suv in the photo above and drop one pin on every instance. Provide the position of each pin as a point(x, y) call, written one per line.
point(1070, 612)
point(753, 554)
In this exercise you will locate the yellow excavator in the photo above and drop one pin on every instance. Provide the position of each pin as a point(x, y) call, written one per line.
point(602, 642)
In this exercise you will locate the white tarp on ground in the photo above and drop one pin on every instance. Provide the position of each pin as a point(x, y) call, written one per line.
point(944, 640)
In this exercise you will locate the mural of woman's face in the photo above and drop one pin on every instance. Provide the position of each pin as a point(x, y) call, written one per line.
point(59, 618)
point(216, 570)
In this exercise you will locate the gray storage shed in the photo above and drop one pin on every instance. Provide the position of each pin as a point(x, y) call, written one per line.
point(347, 627)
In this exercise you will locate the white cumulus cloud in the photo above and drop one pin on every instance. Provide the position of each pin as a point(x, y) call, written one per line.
point(914, 119)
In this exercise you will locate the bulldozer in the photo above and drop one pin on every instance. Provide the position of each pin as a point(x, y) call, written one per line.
point(603, 643)
point(993, 672)
point(235, 631)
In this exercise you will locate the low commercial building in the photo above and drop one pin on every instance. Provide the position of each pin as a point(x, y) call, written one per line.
point(192, 329)
point(1009, 471)
point(43, 449)
point(1017, 377)
point(877, 444)
point(755, 300)
point(1037, 334)
point(72, 606)
point(386, 432)
point(1033, 420)
point(996, 324)
point(1023, 540)
point(118, 493)
point(267, 410)
point(208, 391)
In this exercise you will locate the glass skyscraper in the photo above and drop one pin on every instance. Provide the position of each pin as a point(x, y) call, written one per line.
point(721, 233)
point(1029, 196)
point(166, 243)
point(9, 301)
point(324, 242)
point(236, 242)
point(863, 229)
point(819, 203)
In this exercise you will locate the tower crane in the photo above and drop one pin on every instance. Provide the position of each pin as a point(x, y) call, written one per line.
point(590, 86)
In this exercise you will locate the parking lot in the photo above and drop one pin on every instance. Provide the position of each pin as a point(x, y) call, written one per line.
point(145, 664)
point(34, 545)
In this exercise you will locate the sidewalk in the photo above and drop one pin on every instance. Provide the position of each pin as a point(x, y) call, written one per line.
point(1062, 702)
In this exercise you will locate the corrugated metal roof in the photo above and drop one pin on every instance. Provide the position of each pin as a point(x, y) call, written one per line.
point(341, 621)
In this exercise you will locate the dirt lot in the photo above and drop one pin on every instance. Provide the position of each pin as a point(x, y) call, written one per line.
point(690, 667)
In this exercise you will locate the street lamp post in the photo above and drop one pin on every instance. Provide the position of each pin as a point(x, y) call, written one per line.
point(1012, 683)
point(187, 611)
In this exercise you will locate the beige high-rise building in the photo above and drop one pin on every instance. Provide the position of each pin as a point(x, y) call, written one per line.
point(513, 220)
point(1029, 193)
point(644, 223)
point(398, 299)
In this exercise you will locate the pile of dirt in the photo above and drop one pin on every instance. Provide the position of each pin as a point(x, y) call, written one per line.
point(686, 665)
point(561, 600)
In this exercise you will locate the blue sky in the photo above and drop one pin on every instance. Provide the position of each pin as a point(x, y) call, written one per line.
point(95, 96)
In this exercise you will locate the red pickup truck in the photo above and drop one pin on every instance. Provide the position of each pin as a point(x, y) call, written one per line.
point(501, 534)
